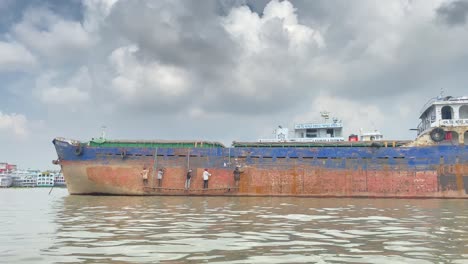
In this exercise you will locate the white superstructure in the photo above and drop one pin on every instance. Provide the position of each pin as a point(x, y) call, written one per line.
point(326, 131)
point(444, 119)
point(446, 111)
point(371, 136)
point(24, 178)
point(5, 181)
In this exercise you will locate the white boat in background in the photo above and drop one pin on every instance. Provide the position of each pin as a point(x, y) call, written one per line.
point(45, 179)
point(24, 178)
point(59, 180)
point(32, 178)
point(371, 135)
point(5, 181)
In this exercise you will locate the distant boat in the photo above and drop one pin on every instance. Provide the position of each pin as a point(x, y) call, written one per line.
point(26, 178)
point(45, 179)
point(6, 181)
point(59, 180)
point(371, 136)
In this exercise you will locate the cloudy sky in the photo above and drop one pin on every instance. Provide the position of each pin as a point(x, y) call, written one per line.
point(219, 70)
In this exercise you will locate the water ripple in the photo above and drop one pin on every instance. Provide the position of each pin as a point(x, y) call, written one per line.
point(89, 229)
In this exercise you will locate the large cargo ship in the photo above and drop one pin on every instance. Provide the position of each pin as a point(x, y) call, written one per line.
point(315, 162)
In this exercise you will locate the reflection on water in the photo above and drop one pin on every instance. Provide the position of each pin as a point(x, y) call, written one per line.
point(106, 229)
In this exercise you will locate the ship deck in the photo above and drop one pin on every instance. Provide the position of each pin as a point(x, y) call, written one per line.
point(386, 143)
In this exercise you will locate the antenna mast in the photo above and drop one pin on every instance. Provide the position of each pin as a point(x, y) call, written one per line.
point(325, 115)
point(103, 133)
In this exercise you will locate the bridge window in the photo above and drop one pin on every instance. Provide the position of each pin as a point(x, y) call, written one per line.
point(464, 112)
point(311, 133)
point(447, 112)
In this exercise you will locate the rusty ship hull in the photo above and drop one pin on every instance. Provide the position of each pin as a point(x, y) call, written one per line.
point(371, 171)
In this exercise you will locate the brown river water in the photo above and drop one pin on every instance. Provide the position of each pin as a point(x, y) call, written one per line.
point(36, 227)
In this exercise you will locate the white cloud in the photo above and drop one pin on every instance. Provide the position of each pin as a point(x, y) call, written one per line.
point(96, 12)
point(135, 80)
point(75, 90)
point(15, 57)
point(279, 20)
point(52, 36)
point(299, 35)
point(16, 124)
point(276, 51)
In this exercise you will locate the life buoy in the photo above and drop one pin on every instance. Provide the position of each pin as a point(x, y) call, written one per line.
point(79, 150)
point(437, 134)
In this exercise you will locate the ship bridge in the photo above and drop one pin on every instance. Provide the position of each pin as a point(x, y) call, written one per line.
point(319, 132)
point(326, 131)
point(448, 113)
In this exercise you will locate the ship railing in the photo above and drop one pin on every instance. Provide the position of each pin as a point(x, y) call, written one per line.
point(439, 98)
point(429, 103)
point(322, 139)
point(271, 140)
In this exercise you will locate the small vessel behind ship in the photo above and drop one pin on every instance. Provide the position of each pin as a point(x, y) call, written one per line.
point(31, 178)
point(24, 178)
point(5, 181)
point(316, 161)
point(49, 179)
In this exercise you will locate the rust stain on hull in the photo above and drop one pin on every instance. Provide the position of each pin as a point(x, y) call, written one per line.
point(444, 181)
